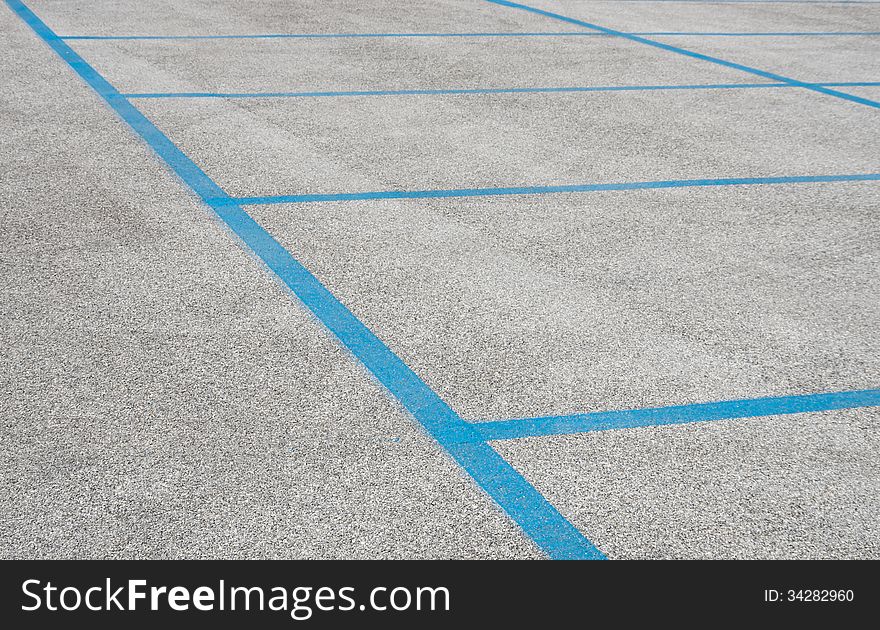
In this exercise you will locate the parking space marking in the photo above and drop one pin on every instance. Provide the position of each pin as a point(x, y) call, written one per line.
point(477, 34)
point(819, 2)
point(466, 442)
point(333, 35)
point(677, 414)
point(760, 33)
point(690, 53)
point(463, 91)
point(540, 520)
point(542, 190)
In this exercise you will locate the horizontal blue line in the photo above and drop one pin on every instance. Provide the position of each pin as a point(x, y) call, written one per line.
point(525, 90)
point(487, 34)
point(335, 35)
point(753, 1)
point(517, 497)
point(690, 53)
point(681, 414)
point(543, 190)
point(760, 34)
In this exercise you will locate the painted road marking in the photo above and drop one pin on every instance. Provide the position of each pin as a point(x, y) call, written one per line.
point(678, 414)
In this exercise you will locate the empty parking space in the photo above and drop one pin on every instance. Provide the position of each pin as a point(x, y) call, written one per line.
point(389, 64)
point(816, 59)
point(720, 17)
point(229, 17)
point(801, 486)
point(162, 396)
point(568, 303)
point(280, 147)
point(436, 279)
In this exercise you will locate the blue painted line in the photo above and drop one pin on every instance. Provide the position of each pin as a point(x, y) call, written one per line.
point(416, 92)
point(517, 497)
point(690, 53)
point(761, 34)
point(334, 35)
point(464, 91)
point(681, 414)
point(542, 190)
point(487, 34)
point(752, 1)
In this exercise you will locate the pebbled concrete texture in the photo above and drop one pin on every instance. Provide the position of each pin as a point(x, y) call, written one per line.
point(715, 16)
point(803, 486)
point(162, 397)
point(528, 306)
point(872, 93)
point(231, 17)
point(810, 59)
point(360, 144)
point(261, 65)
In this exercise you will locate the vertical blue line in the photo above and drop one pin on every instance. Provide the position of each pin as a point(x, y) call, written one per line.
point(542, 522)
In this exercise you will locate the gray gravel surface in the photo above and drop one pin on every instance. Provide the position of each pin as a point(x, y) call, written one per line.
point(163, 397)
point(569, 303)
point(805, 486)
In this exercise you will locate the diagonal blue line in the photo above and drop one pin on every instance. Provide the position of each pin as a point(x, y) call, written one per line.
point(542, 190)
point(680, 414)
point(524, 90)
point(517, 497)
point(690, 53)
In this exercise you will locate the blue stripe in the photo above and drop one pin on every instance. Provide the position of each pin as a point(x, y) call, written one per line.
point(682, 414)
point(690, 53)
point(522, 502)
point(487, 34)
point(543, 190)
point(534, 90)
point(417, 92)
point(764, 34)
point(752, 1)
point(332, 35)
